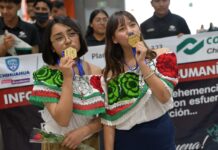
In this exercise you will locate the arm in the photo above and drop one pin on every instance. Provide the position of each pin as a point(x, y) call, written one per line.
point(35, 49)
point(154, 82)
point(8, 42)
point(109, 135)
point(92, 69)
point(75, 137)
point(62, 111)
point(156, 85)
point(3, 50)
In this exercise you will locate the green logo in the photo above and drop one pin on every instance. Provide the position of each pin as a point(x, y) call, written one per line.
point(192, 41)
point(213, 132)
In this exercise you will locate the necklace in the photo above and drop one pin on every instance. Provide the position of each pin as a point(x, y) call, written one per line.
point(79, 77)
point(132, 68)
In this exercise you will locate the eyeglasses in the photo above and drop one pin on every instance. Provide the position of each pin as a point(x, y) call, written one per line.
point(61, 37)
point(101, 20)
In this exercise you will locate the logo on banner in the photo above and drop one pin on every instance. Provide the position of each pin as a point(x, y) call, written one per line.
point(205, 144)
point(186, 42)
point(213, 132)
point(12, 63)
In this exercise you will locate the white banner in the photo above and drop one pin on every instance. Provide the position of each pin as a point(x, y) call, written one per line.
point(188, 48)
point(16, 71)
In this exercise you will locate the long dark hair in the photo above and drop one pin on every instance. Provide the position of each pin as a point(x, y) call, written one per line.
point(94, 13)
point(48, 55)
point(114, 55)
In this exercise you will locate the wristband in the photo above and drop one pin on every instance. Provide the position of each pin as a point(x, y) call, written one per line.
point(148, 75)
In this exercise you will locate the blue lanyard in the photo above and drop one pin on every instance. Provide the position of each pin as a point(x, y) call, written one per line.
point(134, 51)
point(79, 66)
point(136, 67)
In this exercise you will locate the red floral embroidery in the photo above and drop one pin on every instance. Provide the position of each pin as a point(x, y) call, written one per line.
point(167, 65)
point(96, 83)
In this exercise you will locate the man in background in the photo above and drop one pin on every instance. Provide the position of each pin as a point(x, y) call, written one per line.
point(30, 11)
point(163, 23)
point(58, 9)
point(42, 9)
point(10, 22)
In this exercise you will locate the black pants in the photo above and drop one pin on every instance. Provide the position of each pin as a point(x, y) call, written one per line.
point(17, 124)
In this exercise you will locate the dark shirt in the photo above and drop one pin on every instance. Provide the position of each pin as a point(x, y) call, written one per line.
point(91, 41)
point(212, 29)
point(23, 30)
point(41, 32)
point(170, 25)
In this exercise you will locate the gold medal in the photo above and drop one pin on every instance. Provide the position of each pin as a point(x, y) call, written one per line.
point(133, 39)
point(70, 52)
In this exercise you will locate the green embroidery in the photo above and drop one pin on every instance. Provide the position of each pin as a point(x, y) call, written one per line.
point(49, 76)
point(119, 114)
point(130, 85)
point(113, 91)
point(42, 74)
point(123, 87)
point(58, 78)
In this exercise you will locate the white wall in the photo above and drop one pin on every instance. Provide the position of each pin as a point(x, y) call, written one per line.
point(201, 11)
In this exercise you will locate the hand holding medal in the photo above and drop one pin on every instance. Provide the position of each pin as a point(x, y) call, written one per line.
point(68, 61)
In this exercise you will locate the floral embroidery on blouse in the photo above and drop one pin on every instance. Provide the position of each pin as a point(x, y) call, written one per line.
point(128, 92)
point(88, 96)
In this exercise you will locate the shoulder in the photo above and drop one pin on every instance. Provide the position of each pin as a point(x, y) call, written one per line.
point(27, 26)
point(45, 73)
point(92, 69)
point(166, 65)
point(161, 51)
point(147, 22)
point(167, 55)
point(177, 17)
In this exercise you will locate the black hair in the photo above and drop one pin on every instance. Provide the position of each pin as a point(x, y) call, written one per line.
point(30, 1)
point(11, 1)
point(48, 55)
point(94, 13)
point(48, 2)
point(57, 4)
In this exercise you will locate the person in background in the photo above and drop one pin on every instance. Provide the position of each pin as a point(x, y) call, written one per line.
point(10, 22)
point(139, 88)
point(212, 28)
point(163, 23)
point(17, 122)
point(95, 33)
point(42, 9)
point(30, 11)
point(68, 88)
point(58, 9)
point(201, 30)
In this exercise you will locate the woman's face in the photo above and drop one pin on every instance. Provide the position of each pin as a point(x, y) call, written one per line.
point(99, 23)
point(62, 37)
point(123, 30)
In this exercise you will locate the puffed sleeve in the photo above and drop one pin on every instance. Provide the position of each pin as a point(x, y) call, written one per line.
point(46, 88)
point(167, 68)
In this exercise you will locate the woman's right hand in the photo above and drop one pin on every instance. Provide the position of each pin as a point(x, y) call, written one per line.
point(66, 66)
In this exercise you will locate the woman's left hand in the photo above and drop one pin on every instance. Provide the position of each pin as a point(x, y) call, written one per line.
point(141, 51)
point(73, 139)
